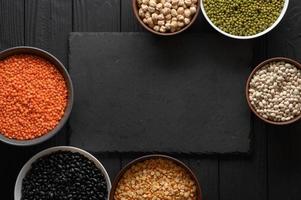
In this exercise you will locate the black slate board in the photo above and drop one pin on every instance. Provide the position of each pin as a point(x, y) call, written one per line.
point(135, 92)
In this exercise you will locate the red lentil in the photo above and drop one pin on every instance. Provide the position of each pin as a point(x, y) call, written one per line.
point(33, 96)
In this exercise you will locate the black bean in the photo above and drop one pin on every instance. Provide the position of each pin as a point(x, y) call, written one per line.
point(64, 175)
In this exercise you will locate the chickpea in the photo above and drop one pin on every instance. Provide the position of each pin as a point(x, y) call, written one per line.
point(174, 12)
point(168, 17)
point(187, 12)
point(144, 7)
point(151, 9)
point(186, 21)
point(161, 22)
point(156, 28)
point(144, 20)
point(174, 6)
point(167, 25)
point(180, 18)
point(159, 6)
point(167, 5)
point(152, 3)
point(173, 30)
point(147, 14)
point(180, 24)
point(154, 16)
point(149, 21)
point(160, 17)
point(174, 2)
point(141, 12)
point(180, 11)
point(188, 2)
point(174, 19)
point(173, 24)
point(166, 11)
point(192, 10)
point(163, 29)
point(181, 3)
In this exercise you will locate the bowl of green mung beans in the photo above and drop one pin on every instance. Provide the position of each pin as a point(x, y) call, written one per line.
point(244, 19)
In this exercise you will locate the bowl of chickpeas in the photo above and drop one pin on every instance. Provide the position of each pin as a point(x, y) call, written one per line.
point(166, 17)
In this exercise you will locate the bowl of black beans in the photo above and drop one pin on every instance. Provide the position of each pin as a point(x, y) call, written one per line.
point(63, 173)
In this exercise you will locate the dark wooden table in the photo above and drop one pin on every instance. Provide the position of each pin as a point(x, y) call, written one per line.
point(271, 172)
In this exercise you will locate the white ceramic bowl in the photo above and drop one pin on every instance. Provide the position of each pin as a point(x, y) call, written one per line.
point(285, 6)
point(27, 166)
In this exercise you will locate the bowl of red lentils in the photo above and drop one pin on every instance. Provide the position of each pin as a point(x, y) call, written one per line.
point(155, 177)
point(273, 91)
point(36, 96)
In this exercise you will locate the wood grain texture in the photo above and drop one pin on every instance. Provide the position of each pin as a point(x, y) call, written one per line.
point(201, 25)
point(111, 162)
point(129, 23)
point(11, 23)
point(284, 149)
point(279, 163)
point(48, 24)
point(206, 170)
point(96, 15)
point(246, 178)
point(11, 34)
point(12, 160)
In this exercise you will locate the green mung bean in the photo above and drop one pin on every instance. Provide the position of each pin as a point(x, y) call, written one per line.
point(243, 17)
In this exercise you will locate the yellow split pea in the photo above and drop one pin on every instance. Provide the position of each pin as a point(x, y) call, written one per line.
point(156, 179)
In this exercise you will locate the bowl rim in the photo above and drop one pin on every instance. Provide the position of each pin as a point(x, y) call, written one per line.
point(259, 66)
point(280, 17)
point(154, 156)
point(27, 165)
point(135, 10)
point(62, 69)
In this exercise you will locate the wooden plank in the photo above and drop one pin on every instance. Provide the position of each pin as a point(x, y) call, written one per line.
point(284, 150)
point(129, 23)
point(11, 34)
point(279, 162)
point(96, 15)
point(48, 24)
point(206, 170)
point(11, 23)
point(111, 162)
point(246, 178)
point(294, 177)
